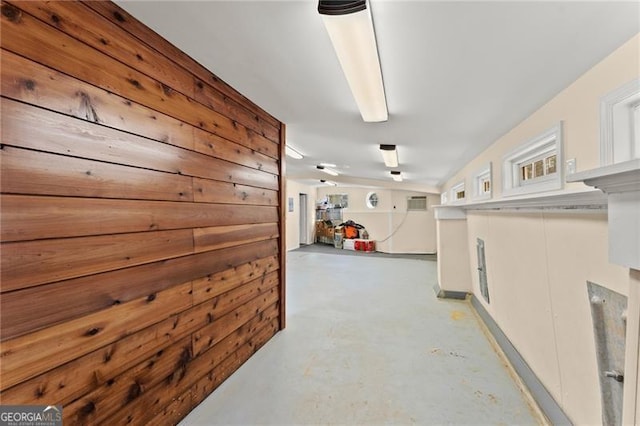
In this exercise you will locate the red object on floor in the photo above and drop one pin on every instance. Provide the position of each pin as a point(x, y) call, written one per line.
point(364, 245)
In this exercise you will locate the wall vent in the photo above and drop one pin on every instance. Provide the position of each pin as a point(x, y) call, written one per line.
point(417, 203)
point(482, 270)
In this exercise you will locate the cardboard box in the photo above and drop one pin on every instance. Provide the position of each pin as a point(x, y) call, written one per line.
point(324, 232)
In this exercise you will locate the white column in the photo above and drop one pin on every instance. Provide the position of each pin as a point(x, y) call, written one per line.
point(621, 183)
point(453, 250)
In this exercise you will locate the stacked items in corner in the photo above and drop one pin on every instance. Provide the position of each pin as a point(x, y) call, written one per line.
point(353, 236)
point(325, 232)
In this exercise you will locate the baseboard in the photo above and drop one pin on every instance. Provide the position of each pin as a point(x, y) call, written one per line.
point(448, 294)
point(540, 394)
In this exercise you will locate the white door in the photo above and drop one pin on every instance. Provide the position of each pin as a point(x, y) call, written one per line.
point(303, 219)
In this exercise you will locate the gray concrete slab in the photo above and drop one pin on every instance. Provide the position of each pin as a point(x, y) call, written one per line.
point(329, 249)
point(369, 343)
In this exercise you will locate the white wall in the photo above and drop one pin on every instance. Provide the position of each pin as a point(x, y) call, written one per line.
point(294, 189)
point(452, 255)
point(538, 263)
point(415, 231)
point(577, 106)
point(537, 268)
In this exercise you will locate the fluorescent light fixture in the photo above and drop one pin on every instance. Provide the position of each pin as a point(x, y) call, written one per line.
point(389, 155)
point(328, 182)
point(350, 29)
point(397, 176)
point(327, 171)
point(328, 165)
point(293, 153)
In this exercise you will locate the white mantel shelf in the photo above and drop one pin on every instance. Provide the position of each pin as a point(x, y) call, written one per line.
point(621, 182)
point(621, 177)
point(587, 200)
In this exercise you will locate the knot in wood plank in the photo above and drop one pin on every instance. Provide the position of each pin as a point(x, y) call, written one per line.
point(12, 13)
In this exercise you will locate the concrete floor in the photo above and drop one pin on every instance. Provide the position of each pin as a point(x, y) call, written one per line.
point(329, 249)
point(367, 342)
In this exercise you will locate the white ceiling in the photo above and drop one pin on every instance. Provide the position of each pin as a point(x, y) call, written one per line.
point(457, 75)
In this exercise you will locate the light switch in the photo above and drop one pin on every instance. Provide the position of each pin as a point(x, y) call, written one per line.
point(571, 166)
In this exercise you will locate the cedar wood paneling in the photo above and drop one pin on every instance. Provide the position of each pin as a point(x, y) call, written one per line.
point(142, 219)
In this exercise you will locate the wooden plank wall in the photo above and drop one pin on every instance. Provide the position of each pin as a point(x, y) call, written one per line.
point(142, 226)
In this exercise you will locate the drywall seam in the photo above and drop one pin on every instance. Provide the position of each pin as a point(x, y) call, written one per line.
point(530, 383)
point(553, 318)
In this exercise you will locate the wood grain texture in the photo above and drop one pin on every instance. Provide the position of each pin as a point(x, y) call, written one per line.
point(232, 358)
point(151, 402)
point(241, 303)
point(212, 334)
point(35, 217)
point(28, 310)
point(134, 27)
point(125, 388)
point(103, 36)
point(163, 366)
point(35, 84)
point(214, 284)
point(26, 357)
point(141, 218)
point(241, 296)
point(218, 237)
point(48, 88)
point(28, 264)
point(60, 134)
point(216, 146)
point(209, 96)
point(27, 36)
point(24, 171)
point(71, 380)
point(283, 230)
point(178, 408)
point(209, 191)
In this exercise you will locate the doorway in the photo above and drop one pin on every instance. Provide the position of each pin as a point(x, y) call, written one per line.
point(303, 220)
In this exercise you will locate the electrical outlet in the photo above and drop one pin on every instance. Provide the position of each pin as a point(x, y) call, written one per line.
point(571, 166)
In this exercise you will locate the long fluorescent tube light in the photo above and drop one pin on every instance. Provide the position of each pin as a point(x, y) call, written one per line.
point(293, 153)
point(397, 176)
point(389, 155)
point(328, 182)
point(327, 171)
point(350, 29)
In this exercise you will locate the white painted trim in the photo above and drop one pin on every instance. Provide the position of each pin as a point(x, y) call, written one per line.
point(449, 213)
point(478, 176)
point(455, 189)
point(547, 141)
point(443, 198)
point(623, 94)
point(368, 202)
point(621, 182)
point(620, 177)
point(582, 201)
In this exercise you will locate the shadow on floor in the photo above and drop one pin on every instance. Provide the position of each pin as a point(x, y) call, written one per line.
point(329, 249)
